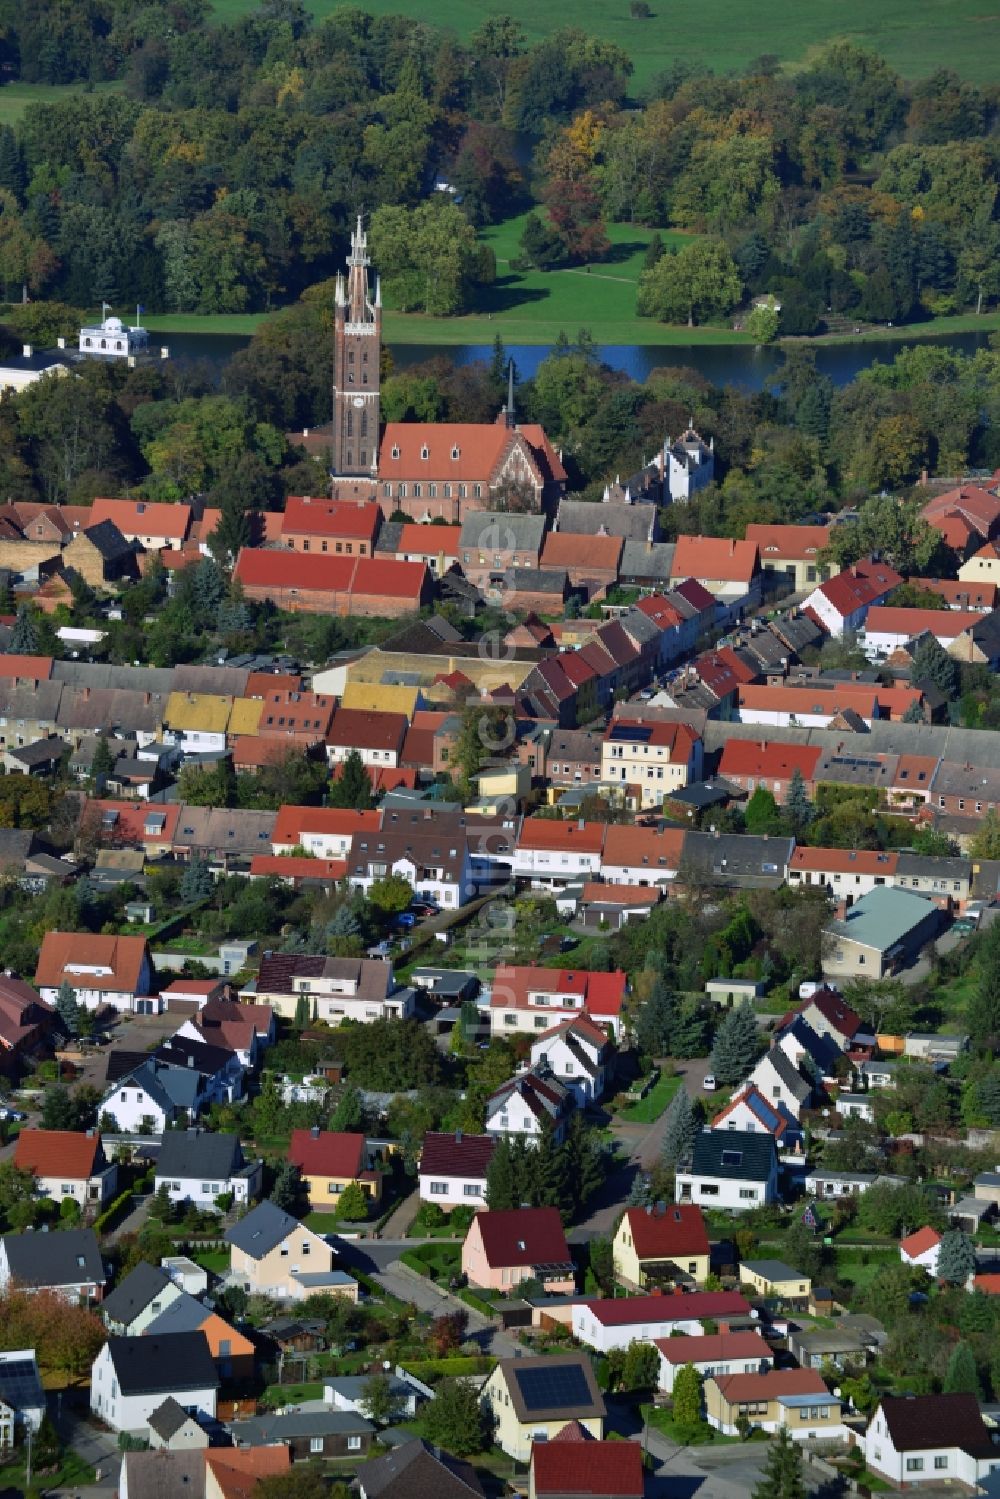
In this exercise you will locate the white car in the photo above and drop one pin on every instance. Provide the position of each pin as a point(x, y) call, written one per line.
point(709, 1084)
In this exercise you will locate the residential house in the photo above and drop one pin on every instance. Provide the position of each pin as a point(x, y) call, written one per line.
point(579, 1054)
point(575, 1465)
point(881, 932)
point(534, 999)
point(796, 1399)
point(325, 832)
point(607, 908)
point(122, 824)
point(816, 1347)
point(532, 1399)
point(529, 1104)
point(198, 1167)
point(415, 1470)
point(246, 1030)
point(590, 562)
point(776, 1281)
point(840, 604)
point(138, 1300)
point(173, 1429)
point(888, 628)
point(131, 1377)
point(22, 1398)
point(336, 989)
point(221, 1069)
point(550, 851)
point(68, 1263)
point(157, 528)
point(295, 719)
point(348, 1392)
point(376, 737)
point(712, 1354)
point(966, 517)
point(729, 570)
point(232, 1353)
point(833, 1184)
point(565, 757)
point(332, 526)
point(829, 1014)
point(67, 1164)
point(308, 1435)
point(814, 1055)
point(101, 970)
point(782, 1083)
point(921, 1249)
point(738, 1172)
point(25, 1019)
point(651, 758)
point(791, 553)
point(641, 857)
point(329, 1161)
point(453, 1168)
point(101, 556)
point(744, 860)
point(272, 1254)
point(153, 1094)
point(503, 1248)
point(767, 763)
point(983, 567)
point(367, 586)
point(662, 1243)
point(437, 862)
point(932, 1439)
point(604, 1323)
point(165, 1473)
point(748, 1111)
point(234, 1474)
point(849, 873)
point(494, 543)
point(962, 594)
point(438, 547)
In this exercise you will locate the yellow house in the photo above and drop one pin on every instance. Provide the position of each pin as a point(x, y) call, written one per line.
point(244, 717)
point(506, 781)
point(272, 1254)
point(659, 758)
point(775, 1279)
point(330, 1161)
point(794, 1398)
point(653, 1245)
point(983, 566)
point(532, 1399)
point(197, 721)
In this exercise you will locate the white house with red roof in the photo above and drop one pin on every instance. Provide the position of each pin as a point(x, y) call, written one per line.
point(503, 1248)
point(579, 1054)
point(888, 628)
point(841, 604)
point(711, 1354)
point(729, 570)
point(325, 832)
point(67, 1164)
point(921, 1249)
point(453, 1167)
point(615, 1322)
point(525, 998)
point(797, 1399)
point(829, 1014)
point(666, 1242)
point(577, 1465)
point(156, 527)
point(551, 852)
point(749, 1112)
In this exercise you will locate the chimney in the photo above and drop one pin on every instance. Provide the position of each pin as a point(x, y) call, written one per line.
point(840, 911)
point(458, 1137)
point(314, 1131)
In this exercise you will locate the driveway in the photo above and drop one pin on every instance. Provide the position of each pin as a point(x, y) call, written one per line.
point(95, 1446)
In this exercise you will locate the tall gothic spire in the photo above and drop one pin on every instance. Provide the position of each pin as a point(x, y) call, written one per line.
point(361, 310)
point(510, 415)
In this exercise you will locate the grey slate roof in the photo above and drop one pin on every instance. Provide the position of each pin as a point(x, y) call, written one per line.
point(495, 530)
point(652, 562)
point(261, 1230)
point(184, 1314)
point(774, 1270)
point(168, 1418)
point(68, 1258)
point(189, 1153)
point(585, 518)
point(153, 1365)
point(165, 1474)
point(169, 1087)
point(790, 1075)
point(417, 1471)
point(134, 1293)
point(735, 1157)
point(738, 858)
point(260, 1430)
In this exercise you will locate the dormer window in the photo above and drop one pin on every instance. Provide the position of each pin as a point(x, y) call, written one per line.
point(395, 452)
point(454, 452)
point(425, 451)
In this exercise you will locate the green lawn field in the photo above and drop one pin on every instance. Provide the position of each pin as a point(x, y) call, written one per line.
point(916, 40)
point(15, 97)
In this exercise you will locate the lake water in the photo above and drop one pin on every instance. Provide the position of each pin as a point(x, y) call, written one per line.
point(734, 364)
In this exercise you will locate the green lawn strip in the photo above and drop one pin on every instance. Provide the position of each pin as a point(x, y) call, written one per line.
point(431, 1369)
point(437, 1261)
point(654, 1103)
point(661, 1419)
point(960, 31)
point(16, 96)
point(214, 1260)
point(292, 1394)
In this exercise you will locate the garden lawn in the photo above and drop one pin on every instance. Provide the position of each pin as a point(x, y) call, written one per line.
point(216, 1261)
point(324, 1223)
point(960, 34)
point(441, 1261)
point(661, 1419)
point(654, 1103)
point(292, 1394)
point(16, 96)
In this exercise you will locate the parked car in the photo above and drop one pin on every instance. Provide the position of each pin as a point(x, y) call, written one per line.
point(12, 1116)
point(709, 1084)
point(406, 920)
point(424, 908)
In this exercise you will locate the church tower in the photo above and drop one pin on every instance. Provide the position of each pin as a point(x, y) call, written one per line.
point(357, 347)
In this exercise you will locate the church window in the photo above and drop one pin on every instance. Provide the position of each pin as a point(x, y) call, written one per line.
point(432, 490)
point(364, 455)
point(425, 451)
point(454, 452)
point(364, 357)
point(447, 491)
point(461, 491)
point(364, 422)
point(350, 423)
point(477, 490)
point(364, 378)
point(395, 452)
point(350, 458)
point(350, 377)
point(416, 491)
point(350, 356)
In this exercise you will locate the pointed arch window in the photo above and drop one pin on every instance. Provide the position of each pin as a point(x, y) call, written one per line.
point(425, 451)
point(454, 452)
point(395, 452)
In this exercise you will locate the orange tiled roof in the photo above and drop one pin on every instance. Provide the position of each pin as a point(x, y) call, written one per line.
point(57, 1152)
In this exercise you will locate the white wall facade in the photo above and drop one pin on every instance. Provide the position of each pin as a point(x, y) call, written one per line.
point(132, 1412)
point(562, 865)
point(707, 1367)
point(452, 1191)
point(588, 1329)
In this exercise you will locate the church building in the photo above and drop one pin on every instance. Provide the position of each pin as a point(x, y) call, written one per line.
point(426, 470)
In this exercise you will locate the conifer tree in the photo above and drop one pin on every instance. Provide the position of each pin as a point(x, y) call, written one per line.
point(501, 1191)
point(736, 1044)
point(680, 1130)
point(781, 1477)
point(353, 787)
point(69, 1010)
point(657, 1021)
point(24, 636)
point(960, 1376)
point(956, 1257)
point(103, 762)
point(798, 808)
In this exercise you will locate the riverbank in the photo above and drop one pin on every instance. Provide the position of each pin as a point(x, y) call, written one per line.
point(415, 330)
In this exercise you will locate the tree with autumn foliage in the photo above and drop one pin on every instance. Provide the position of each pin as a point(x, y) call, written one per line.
point(571, 192)
point(66, 1338)
point(446, 1333)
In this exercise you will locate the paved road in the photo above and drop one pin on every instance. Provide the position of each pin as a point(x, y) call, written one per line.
point(96, 1447)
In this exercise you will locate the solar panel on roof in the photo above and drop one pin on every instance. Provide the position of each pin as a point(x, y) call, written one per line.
point(637, 733)
point(558, 1388)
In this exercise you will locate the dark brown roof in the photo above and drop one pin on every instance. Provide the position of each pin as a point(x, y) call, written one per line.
point(416, 1471)
point(456, 1154)
point(917, 1422)
point(522, 1236)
